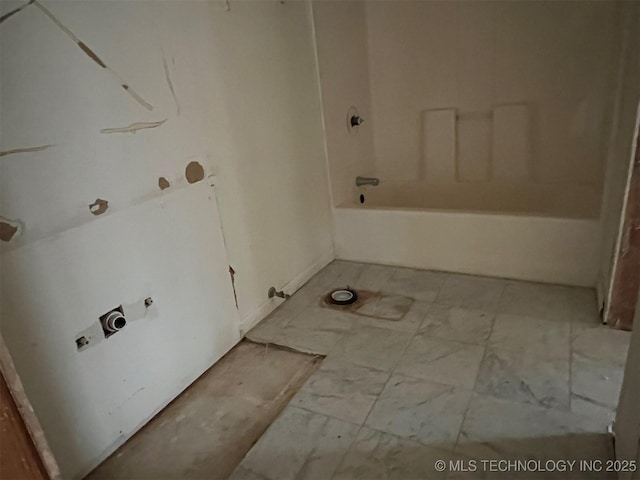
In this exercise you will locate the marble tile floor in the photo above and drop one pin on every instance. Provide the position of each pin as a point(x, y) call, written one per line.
point(478, 370)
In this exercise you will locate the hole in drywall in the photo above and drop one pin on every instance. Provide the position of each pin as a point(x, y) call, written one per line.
point(361, 198)
point(7, 230)
point(99, 206)
point(163, 183)
point(194, 172)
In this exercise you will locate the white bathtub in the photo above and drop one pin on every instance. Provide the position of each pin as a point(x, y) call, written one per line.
point(540, 233)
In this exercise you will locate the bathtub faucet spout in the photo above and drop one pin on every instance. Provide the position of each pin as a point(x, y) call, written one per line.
point(360, 181)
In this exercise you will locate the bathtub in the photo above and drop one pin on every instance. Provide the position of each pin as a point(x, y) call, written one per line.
point(537, 232)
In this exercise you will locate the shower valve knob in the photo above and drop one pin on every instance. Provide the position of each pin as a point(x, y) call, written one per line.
point(356, 121)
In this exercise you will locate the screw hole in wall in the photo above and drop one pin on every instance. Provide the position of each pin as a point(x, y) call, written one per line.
point(361, 198)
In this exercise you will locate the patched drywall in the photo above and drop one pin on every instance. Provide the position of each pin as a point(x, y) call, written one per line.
point(93, 118)
point(90, 53)
point(134, 127)
point(225, 122)
point(91, 336)
point(167, 76)
point(12, 12)
point(13, 151)
point(91, 399)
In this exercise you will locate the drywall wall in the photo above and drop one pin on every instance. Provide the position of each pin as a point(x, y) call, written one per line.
point(340, 33)
point(274, 199)
point(91, 117)
point(244, 106)
point(527, 72)
point(624, 119)
point(54, 290)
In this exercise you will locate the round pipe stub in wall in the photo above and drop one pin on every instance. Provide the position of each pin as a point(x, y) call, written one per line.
point(114, 321)
point(354, 120)
point(341, 296)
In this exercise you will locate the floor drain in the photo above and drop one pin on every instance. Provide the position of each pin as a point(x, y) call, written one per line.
point(341, 296)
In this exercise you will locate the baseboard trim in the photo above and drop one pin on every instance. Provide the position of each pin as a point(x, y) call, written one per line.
point(254, 317)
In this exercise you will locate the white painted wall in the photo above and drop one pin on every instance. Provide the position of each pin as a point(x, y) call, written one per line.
point(340, 32)
point(274, 202)
point(169, 248)
point(624, 117)
point(249, 112)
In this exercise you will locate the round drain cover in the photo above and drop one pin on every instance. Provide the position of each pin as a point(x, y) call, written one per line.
point(341, 296)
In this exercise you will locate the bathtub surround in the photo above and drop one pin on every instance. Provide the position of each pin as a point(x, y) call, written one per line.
point(494, 131)
point(471, 91)
point(505, 69)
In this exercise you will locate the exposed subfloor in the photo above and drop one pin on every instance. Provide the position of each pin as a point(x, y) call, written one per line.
point(207, 430)
point(476, 369)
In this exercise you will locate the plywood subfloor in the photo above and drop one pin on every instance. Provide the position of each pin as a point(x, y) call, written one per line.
point(206, 431)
